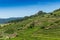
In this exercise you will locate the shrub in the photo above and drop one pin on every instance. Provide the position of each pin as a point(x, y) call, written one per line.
point(42, 27)
point(51, 24)
point(31, 25)
point(51, 13)
point(55, 15)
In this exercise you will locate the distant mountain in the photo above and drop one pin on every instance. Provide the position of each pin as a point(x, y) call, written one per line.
point(5, 20)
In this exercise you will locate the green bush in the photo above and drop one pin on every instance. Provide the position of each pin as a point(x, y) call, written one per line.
point(51, 13)
point(55, 15)
point(31, 25)
point(42, 27)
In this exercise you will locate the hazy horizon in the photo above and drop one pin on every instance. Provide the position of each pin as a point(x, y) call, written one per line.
point(21, 8)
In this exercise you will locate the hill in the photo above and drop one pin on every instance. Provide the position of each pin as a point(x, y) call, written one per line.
point(5, 20)
point(41, 26)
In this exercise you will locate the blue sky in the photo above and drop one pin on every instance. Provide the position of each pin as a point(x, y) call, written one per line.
point(20, 8)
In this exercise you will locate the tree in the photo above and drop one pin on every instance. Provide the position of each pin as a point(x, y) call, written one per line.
point(41, 12)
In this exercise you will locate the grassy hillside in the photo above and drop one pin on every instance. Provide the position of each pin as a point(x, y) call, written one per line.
point(41, 26)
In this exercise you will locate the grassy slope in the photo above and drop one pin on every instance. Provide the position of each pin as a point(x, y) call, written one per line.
point(45, 28)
